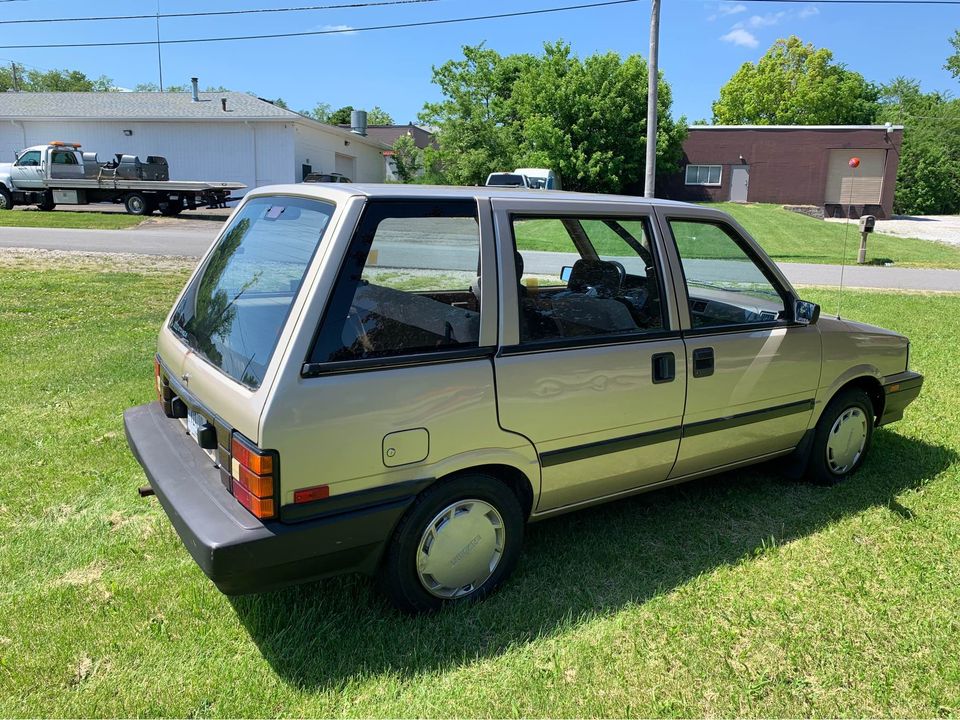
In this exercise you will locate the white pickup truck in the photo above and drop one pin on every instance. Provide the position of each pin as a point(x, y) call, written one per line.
point(59, 173)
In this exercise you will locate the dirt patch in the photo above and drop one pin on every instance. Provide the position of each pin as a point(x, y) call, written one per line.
point(36, 259)
point(82, 576)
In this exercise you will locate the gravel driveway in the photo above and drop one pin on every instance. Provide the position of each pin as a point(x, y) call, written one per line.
point(942, 228)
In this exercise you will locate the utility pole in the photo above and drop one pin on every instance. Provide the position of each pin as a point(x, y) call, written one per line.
point(159, 56)
point(652, 73)
point(16, 84)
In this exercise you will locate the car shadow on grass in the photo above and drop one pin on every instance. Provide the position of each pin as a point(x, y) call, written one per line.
point(573, 567)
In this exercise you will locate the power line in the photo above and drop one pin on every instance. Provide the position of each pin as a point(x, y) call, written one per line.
point(211, 13)
point(336, 31)
point(858, 2)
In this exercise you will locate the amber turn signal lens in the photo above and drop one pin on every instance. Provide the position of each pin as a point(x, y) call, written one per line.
point(250, 458)
point(260, 507)
point(259, 485)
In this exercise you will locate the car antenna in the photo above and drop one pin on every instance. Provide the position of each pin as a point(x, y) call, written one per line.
point(854, 163)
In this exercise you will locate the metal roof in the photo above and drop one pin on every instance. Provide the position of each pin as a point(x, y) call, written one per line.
point(156, 106)
point(794, 127)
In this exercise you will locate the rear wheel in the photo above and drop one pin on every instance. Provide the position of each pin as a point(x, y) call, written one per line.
point(171, 208)
point(457, 543)
point(137, 204)
point(842, 437)
point(47, 203)
point(6, 199)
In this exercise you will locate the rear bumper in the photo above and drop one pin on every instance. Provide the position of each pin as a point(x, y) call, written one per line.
point(237, 551)
point(899, 391)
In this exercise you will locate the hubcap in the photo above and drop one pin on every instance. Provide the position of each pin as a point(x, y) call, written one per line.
point(460, 548)
point(846, 440)
point(3, 202)
point(136, 204)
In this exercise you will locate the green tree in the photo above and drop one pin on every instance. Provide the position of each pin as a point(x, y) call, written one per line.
point(340, 116)
point(796, 84)
point(378, 116)
point(320, 112)
point(407, 158)
point(585, 118)
point(928, 174)
point(953, 60)
point(34, 80)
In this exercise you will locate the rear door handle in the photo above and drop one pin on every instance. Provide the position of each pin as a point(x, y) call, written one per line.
point(664, 367)
point(703, 362)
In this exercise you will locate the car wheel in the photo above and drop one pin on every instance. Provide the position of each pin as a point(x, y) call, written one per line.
point(137, 204)
point(6, 199)
point(457, 543)
point(47, 204)
point(171, 208)
point(842, 437)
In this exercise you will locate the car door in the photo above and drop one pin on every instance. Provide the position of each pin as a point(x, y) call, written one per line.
point(27, 171)
point(591, 367)
point(753, 369)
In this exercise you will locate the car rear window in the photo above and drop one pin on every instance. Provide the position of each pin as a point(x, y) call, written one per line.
point(506, 179)
point(234, 309)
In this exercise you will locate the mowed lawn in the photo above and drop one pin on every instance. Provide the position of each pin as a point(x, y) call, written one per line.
point(745, 594)
point(64, 219)
point(785, 236)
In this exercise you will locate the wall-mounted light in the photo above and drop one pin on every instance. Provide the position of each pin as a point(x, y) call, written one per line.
point(346, 142)
point(128, 133)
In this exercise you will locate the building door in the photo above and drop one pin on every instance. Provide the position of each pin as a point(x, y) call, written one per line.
point(346, 165)
point(739, 183)
point(855, 186)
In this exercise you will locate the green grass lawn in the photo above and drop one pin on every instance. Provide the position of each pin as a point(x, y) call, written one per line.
point(744, 594)
point(58, 219)
point(785, 236)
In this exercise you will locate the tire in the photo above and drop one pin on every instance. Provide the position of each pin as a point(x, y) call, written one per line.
point(842, 438)
point(483, 522)
point(6, 199)
point(47, 204)
point(137, 204)
point(171, 208)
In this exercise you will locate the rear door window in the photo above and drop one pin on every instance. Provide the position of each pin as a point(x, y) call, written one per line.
point(233, 311)
point(409, 285)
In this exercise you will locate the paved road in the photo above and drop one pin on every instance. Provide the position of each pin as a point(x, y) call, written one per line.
point(192, 241)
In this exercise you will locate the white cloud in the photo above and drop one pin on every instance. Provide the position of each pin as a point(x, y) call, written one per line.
point(808, 12)
point(759, 21)
point(342, 29)
point(741, 37)
point(727, 8)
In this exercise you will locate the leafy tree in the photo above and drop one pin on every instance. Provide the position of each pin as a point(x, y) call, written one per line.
point(340, 116)
point(378, 116)
point(796, 84)
point(928, 175)
point(50, 80)
point(585, 118)
point(146, 87)
point(281, 103)
point(407, 158)
point(321, 112)
point(953, 60)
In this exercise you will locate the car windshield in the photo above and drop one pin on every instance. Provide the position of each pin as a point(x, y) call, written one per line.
point(233, 311)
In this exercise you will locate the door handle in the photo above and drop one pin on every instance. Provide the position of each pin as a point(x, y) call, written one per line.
point(664, 367)
point(703, 362)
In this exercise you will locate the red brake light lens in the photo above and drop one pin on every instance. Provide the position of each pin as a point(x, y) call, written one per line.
point(252, 477)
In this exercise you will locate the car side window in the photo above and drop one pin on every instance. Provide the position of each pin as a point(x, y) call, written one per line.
point(725, 284)
point(586, 277)
point(29, 159)
point(410, 284)
point(64, 158)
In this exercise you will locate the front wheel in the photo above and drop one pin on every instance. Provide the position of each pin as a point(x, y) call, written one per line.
point(6, 199)
point(842, 437)
point(137, 204)
point(457, 543)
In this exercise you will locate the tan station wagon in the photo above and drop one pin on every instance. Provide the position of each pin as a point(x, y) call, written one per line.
point(395, 379)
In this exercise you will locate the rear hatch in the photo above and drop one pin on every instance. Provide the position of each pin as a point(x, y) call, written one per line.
point(220, 346)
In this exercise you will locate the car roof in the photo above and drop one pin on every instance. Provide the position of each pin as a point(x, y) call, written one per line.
point(342, 191)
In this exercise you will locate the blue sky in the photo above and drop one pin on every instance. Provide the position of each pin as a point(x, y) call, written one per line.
point(702, 44)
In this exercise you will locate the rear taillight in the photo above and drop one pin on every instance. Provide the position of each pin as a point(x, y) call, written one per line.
point(253, 477)
point(164, 393)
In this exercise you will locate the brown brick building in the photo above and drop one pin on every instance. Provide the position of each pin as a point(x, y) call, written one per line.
point(791, 165)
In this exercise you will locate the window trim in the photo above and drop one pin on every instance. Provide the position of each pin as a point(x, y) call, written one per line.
point(311, 367)
point(649, 223)
point(741, 242)
point(686, 175)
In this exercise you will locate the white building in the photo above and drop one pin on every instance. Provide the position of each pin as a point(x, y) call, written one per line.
point(217, 136)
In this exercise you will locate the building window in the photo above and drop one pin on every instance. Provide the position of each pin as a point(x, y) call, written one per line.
point(703, 174)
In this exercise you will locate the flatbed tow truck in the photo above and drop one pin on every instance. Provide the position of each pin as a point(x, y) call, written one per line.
point(60, 173)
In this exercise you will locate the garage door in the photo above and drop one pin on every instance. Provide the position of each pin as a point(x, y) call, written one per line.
point(346, 165)
point(860, 186)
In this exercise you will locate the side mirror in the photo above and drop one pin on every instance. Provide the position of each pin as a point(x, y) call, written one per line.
point(565, 272)
point(806, 313)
